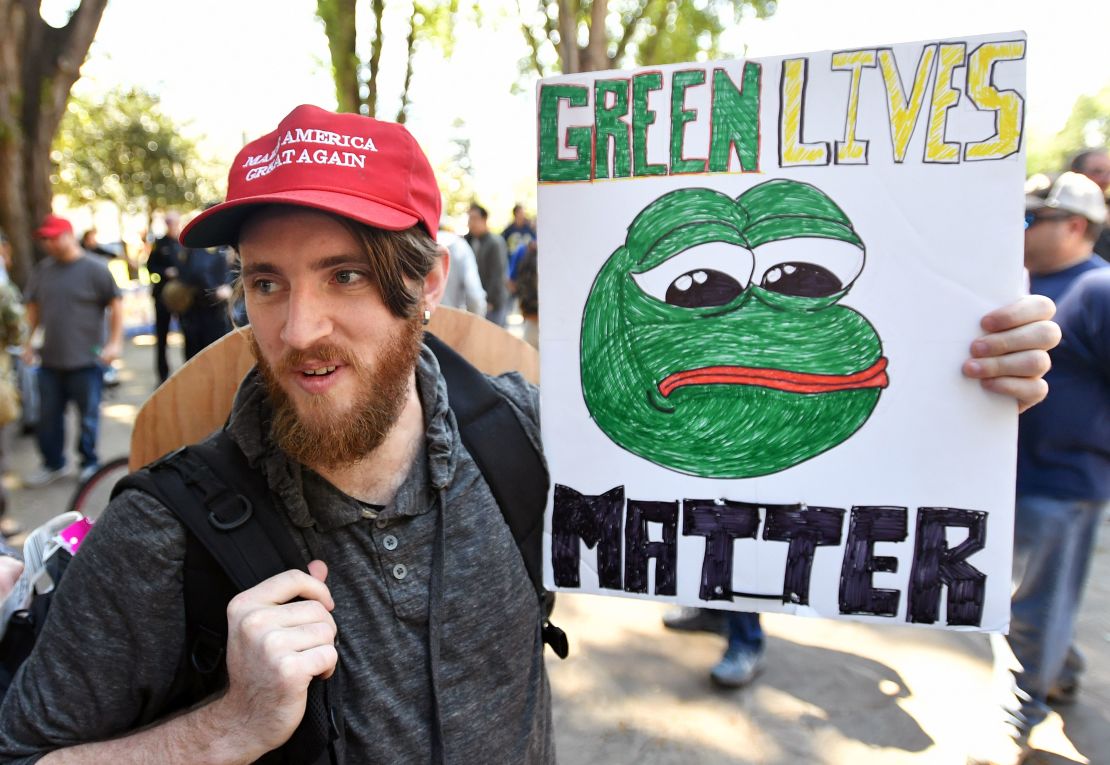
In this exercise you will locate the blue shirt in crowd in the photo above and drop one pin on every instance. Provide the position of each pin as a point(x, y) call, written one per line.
point(1064, 442)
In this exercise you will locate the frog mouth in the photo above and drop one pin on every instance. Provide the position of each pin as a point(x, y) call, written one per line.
point(777, 379)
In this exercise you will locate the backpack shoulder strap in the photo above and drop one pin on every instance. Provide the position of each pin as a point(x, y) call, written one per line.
point(233, 526)
point(226, 505)
point(508, 460)
point(502, 450)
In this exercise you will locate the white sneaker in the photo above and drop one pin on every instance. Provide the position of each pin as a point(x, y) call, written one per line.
point(88, 472)
point(44, 476)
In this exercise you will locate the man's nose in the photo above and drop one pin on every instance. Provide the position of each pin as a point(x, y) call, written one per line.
point(307, 320)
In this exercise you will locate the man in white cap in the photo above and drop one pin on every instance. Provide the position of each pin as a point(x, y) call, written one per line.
point(1063, 479)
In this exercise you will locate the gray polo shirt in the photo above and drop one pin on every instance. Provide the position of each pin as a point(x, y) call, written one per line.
point(435, 609)
point(71, 298)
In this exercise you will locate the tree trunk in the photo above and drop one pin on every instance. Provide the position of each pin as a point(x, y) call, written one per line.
point(568, 36)
point(339, 18)
point(38, 66)
point(596, 55)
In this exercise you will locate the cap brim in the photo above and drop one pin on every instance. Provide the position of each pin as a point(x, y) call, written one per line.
point(1034, 202)
point(220, 225)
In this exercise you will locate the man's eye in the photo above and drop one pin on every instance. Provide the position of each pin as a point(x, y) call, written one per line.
point(349, 277)
point(263, 286)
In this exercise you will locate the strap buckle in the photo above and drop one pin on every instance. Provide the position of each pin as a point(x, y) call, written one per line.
point(216, 516)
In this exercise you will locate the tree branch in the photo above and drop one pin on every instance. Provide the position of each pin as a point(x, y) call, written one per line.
point(410, 49)
point(375, 58)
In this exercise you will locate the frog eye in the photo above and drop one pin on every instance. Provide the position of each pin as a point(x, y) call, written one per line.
point(807, 267)
point(710, 274)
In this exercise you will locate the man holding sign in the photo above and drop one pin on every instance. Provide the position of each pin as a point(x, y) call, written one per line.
point(347, 421)
point(1063, 460)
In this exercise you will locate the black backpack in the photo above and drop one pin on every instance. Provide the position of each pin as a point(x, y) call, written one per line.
point(236, 540)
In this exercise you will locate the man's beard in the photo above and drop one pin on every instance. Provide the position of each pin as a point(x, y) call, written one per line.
point(323, 436)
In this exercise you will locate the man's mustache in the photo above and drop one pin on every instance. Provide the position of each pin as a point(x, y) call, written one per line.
point(325, 352)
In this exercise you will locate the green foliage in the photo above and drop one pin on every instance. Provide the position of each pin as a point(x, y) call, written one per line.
point(1087, 126)
point(638, 32)
point(124, 150)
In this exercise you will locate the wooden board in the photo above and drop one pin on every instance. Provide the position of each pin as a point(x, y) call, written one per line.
point(197, 398)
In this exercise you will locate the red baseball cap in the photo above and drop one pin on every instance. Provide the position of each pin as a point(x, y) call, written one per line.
point(52, 227)
point(358, 167)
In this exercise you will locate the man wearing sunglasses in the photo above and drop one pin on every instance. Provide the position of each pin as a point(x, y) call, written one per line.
point(1063, 477)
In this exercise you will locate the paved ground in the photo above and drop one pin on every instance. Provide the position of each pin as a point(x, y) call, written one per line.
point(833, 692)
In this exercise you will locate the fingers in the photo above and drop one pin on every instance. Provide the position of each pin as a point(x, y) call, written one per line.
point(1017, 364)
point(283, 588)
point(318, 570)
point(320, 661)
point(281, 634)
point(1027, 309)
point(1027, 391)
point(1038, 335)
point(295, 614)
point(301, 638)
point(1013, 356)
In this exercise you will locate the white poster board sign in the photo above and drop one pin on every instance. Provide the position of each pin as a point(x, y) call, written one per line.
point(758, 282)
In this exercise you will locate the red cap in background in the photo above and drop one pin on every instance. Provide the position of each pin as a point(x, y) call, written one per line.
point(52, 227)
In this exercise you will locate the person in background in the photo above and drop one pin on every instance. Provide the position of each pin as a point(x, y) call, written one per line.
point(743, 657)
point(520, 232)
point(13, 333)
point(464, 285)
point(1095, 164)
point(69, 294)
point(91, 245)
point(1063, 473)
point(525, 286)
point(493, 264)
point(164, 263)
point(206, 273)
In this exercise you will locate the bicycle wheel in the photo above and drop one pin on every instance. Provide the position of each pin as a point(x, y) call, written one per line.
point(93, 493)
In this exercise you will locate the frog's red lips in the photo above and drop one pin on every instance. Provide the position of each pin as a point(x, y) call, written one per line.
point(778, 379)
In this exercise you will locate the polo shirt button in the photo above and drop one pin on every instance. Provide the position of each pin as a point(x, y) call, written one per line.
point(399, 571)
point(389, 542)
point(381, 523)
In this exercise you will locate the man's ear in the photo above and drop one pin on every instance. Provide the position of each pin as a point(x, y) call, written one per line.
point(1077, 226)
point(436, 281)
